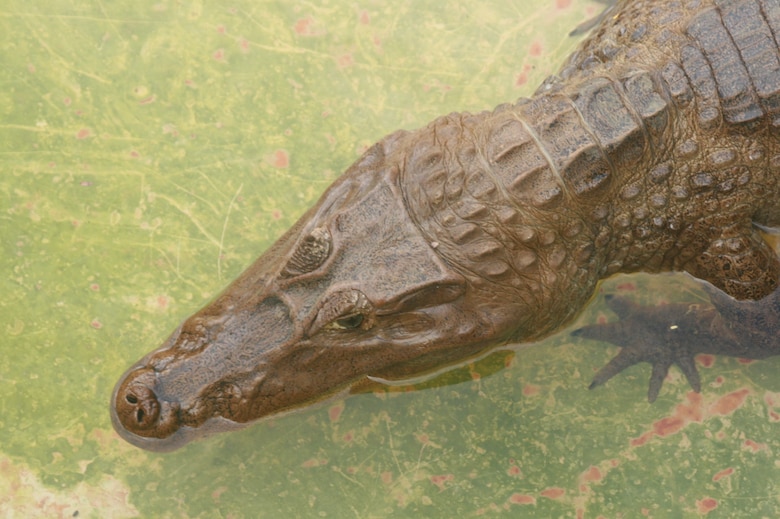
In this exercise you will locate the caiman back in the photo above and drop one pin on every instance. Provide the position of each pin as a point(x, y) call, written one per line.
point(654, 149)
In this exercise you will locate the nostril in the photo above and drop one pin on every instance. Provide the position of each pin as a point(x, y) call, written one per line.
point(136, 404)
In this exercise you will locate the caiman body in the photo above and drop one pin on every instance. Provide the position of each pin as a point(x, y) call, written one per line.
point(654, 149)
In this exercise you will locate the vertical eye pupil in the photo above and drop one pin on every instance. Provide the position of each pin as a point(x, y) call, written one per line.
point(350, 322)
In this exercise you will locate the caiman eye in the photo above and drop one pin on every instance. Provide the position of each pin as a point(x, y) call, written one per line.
point(349, 322)
point(346, 309)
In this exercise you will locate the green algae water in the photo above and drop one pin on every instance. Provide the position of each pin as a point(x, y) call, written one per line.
point(152, 149)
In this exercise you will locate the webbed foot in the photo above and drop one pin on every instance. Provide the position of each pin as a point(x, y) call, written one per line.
point(660, 335)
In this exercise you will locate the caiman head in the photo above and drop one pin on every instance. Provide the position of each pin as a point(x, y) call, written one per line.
point(353, 290)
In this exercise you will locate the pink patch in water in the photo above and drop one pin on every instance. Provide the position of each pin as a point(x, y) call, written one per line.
point(706, 505)
point(705, 360)
point(722, 474)
point(94, 287)
point(84, 133)
point(441, 480)
point(745, 361)
point(592, 474)
point(66, 101)
point(276, 214)
point(386, 477)
point(162, 302)
point(147, 101)
point(345, 60)
point(522, 78)
point(514, 470)
point(31, 68)
point(522, 499)
point(638, 442)
point(754, 446)
point(219, 55)
point(134, 154)
point(730, 403)
point(509, 360)
point(243, 44)
point(668, 425)
point(693, 410)
point(536, 49)
point(221, 29)
point(313, 462)
point(531, 390)
point(334, 412)
point(683, 415)
point(304, 27)
point(96, 324)
point(218, 492)
point(553, 493)
point(364, 17)
point(562, 4)
point(280, 159)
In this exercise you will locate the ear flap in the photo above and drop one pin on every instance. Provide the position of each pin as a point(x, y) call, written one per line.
point(429, 295)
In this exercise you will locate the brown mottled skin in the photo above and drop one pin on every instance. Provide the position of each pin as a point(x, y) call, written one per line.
point(655, 149)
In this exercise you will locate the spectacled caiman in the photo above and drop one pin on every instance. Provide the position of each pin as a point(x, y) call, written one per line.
point(654, 149)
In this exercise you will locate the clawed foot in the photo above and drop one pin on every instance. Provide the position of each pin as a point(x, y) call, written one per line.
point(661, 335)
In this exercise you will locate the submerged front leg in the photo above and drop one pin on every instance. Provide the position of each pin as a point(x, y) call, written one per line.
point(673, 334)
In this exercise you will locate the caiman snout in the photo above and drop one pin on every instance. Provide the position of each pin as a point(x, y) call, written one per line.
point(206, 377)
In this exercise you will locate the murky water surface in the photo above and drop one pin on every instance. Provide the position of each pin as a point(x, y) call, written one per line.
point(152, 149)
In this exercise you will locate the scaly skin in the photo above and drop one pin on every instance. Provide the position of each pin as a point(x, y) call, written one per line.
point(655, 149)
